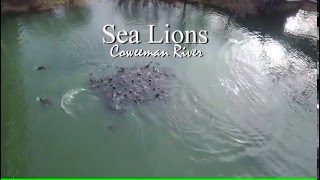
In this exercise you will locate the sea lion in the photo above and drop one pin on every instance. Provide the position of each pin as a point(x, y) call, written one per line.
point(44, 101)
point(91, 78)
point(110, 127)
point(40, 68)
point(148, 65)
point(121, 69)
point(95, 86)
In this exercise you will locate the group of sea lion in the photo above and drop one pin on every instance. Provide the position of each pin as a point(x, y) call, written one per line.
point(43, 101)
point(129, 85)
point(134, 85)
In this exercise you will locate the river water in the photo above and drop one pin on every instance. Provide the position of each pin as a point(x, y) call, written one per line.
point(247, 108)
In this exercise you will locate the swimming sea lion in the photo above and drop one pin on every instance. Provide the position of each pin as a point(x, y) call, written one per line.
point(44, 101)
point(40, 68)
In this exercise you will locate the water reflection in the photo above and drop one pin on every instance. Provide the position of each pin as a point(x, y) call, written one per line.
point(303, 24)
point(238, 111)
point(14, 137)
point(67, 19)
point(286, 28)
point(138, 11)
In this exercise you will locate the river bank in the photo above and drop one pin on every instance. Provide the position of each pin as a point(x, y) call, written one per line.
point(241, 8)
point(36, 5)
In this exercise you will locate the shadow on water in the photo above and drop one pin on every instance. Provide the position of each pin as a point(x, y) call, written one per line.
point(13, 106)
point(275, 27)
point(148, 11)
point(138, 11)
point(66, 18)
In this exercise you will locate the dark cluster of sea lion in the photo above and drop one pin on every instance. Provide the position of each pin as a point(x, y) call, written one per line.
point(134, 85)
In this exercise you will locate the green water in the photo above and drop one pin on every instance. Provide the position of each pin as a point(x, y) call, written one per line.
point(246, 108)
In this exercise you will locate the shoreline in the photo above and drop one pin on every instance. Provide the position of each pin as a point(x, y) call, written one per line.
point(241, 8)
point(38, 6)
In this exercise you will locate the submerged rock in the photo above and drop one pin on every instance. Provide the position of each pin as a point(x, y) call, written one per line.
point(134, 85)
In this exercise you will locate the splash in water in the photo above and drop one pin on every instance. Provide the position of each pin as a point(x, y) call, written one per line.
point(67, 99)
